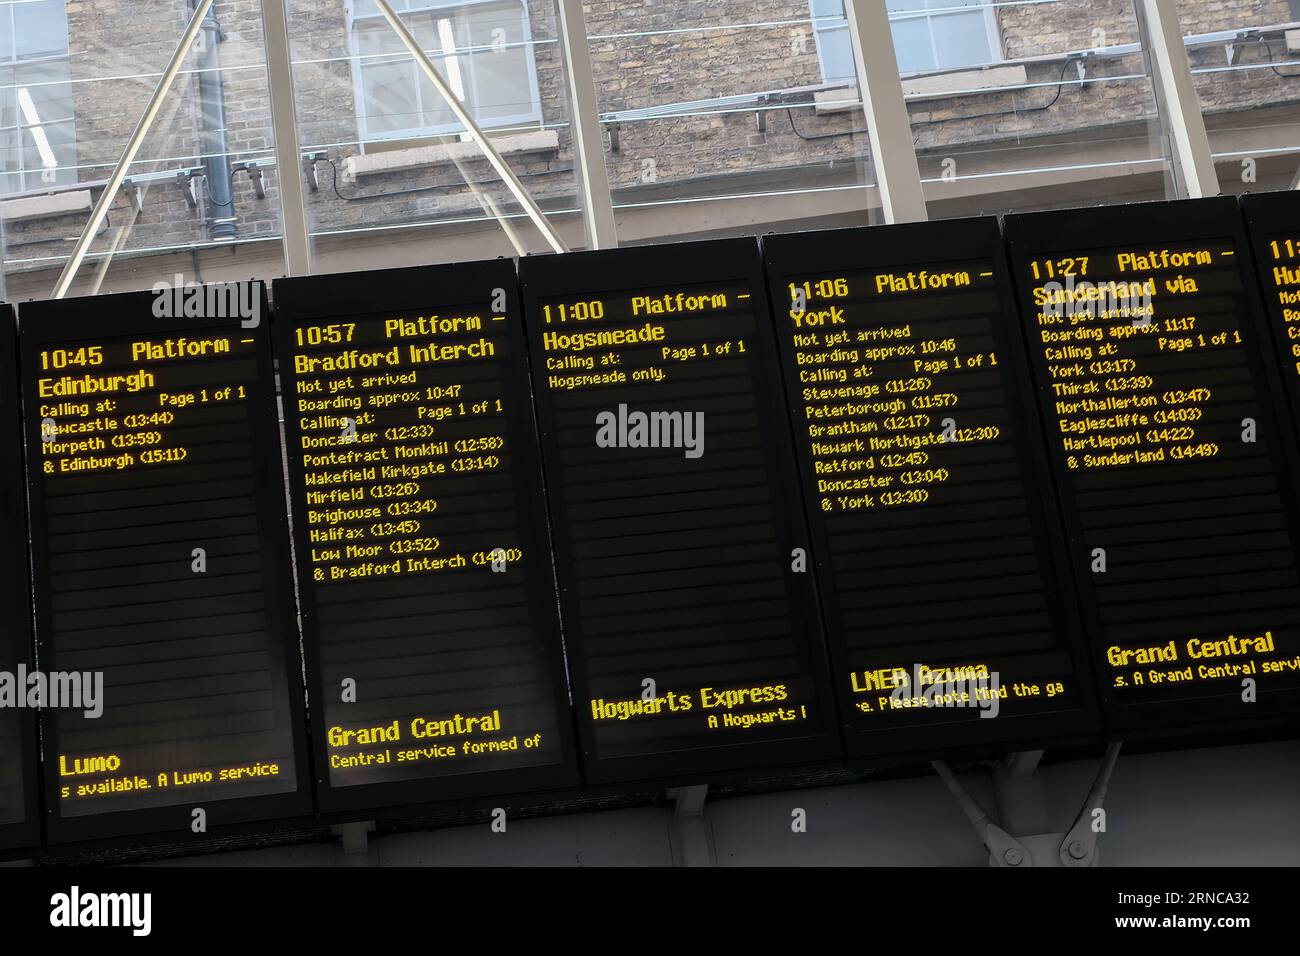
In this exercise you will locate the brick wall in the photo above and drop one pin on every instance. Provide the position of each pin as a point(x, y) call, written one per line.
point(666, 67)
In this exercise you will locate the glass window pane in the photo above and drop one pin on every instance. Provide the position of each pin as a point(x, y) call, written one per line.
point(367, 8)
point(205, 177)
point(1248, 89)
point(503, 86)
point(8, 99)
point(837, 56)
point(38, 158)
point(419, 198)
point(912, 45)
point(46, 82)
point(390, 102)
point(436, 114)
point(1043, 126)
point(450, 35)
point(10, 161)
point(40, 28)
point(60, 129)
point(425, 28)
point(374, 38)
point(397, 97)
point(49, 132)
point(961, 40)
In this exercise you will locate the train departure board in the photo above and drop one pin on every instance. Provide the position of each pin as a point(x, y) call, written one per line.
point(946, 598)
point(1273, 220)
point(688, 601)
point(1175, 471)
point(160, 552)
point(19, 826)
point(428, 598)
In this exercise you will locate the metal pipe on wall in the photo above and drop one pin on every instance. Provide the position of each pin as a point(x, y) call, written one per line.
point(213, 146)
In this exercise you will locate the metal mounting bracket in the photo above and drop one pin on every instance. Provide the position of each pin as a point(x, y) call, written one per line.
point(255, 176)
point(134, 196)
point(309, 170)
point(692, 843)
point(1081, 70)
point(355, 838)
point(1021, 804)
point(186, 181)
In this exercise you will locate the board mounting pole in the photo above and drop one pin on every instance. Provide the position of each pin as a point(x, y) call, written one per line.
point(893, 152)
point(692, 845)
point(584, 121)
point(1180, 106)
point(284, 130)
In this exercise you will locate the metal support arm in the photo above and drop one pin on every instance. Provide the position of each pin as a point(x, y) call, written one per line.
point(1004, 849)
point(1079, 848)
point(1014, 779)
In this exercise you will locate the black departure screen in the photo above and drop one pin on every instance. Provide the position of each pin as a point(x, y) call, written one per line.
point(160, 552)
point(18, 824)
point(1273, 220)
point(429, 605)
point(1174, 472)
point(688, 603)
point(924, 485)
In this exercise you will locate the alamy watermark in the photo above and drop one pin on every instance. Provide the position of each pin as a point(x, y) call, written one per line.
point(1113, 299)
point(79, 908)
point(957, 687)
point(219, 300)
point(59, 690)
point(625, 428)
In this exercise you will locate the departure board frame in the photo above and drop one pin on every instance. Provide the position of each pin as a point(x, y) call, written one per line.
point(1268, 215)
point(422, 288)
point(608, 272)
point(121, 316)
point(916, 246)
point(15, 602)
point(1044, 235)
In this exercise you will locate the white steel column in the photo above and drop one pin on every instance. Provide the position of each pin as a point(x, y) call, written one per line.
point(284, 130)
point(893, 152)
point(1172, 74)
point(584, 122)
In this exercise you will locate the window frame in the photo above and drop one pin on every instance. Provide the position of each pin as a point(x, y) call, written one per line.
point(819, 31)
point(992, 31)
point(21, 173)
point(368, 139)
